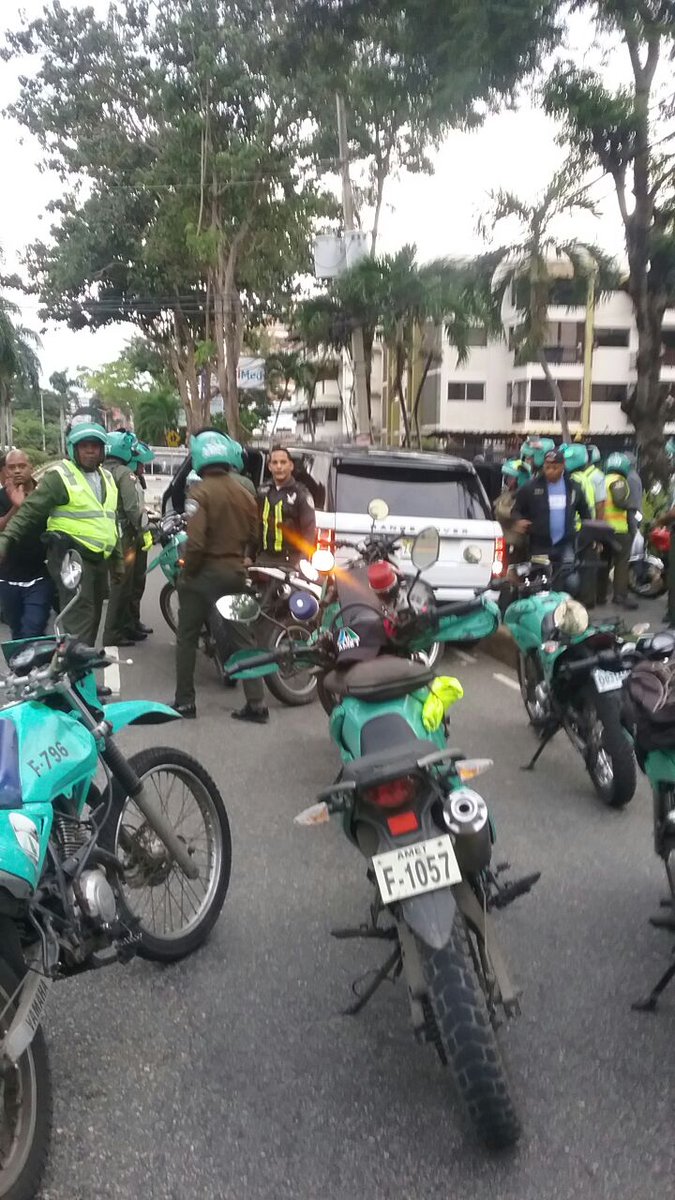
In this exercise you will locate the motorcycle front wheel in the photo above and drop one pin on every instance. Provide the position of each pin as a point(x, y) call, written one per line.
point(175, 913)
point(647, 580)
point(466, 1039)
point(610, 759)
point(25, 1106)
point(292, 688)
point(168, 604)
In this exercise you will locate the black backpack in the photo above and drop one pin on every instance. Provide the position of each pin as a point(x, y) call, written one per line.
point(651, 687)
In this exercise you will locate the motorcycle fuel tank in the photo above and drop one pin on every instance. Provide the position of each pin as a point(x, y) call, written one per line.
point(524, 618)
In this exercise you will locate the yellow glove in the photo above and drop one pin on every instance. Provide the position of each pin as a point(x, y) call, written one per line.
point(444, 691)
point(147, 540)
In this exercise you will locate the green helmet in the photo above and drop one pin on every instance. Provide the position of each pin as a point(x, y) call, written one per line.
point(594, 455)
point(121, 444)
point(670, 447)
point(142, 454)
point(85, 431)
point(211, 449)
point(515, 468)
point(619, 463)
point(576, 456)
point(537, 448)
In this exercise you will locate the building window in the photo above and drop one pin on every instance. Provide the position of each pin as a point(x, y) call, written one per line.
point(509, 395)
point(466, 391)
point(611, 338)
point(609, 393)
point(331, 414)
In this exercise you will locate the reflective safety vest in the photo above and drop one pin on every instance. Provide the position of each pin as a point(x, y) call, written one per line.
point(278, 524)
point(85, 518)
point(585, 481)
point(615, 516)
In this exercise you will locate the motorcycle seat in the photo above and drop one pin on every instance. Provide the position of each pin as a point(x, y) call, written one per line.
point(386, 764)
point(383, 678)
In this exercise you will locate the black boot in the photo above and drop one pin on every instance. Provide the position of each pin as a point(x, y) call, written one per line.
point(259, 716)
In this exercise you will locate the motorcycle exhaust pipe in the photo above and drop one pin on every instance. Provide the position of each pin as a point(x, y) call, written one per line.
point(466, 817)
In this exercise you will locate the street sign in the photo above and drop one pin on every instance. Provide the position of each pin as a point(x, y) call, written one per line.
point(251, 373)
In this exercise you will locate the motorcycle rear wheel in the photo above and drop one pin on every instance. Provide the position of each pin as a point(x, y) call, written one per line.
point(155, 888)
point(25, 1108)
point(467, 1038)
point(649, 582)
point(610, 759)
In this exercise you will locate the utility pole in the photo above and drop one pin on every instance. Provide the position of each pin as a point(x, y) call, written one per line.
point(358, 352)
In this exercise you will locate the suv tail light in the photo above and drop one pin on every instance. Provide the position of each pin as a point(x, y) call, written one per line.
point(499, 563)
point(325, 539)
point(394, 794)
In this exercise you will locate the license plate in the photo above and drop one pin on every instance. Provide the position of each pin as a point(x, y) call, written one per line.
point(412, 870)
point(609, 681)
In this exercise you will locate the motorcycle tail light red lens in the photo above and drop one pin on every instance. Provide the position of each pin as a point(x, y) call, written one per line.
point(405, 822)
point(394, 794)
point(381, 576)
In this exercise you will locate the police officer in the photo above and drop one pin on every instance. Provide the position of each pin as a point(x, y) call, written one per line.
point(287, 512)
point(222, 529)
point(78, 499)
point(617, 514)
point(132, 520)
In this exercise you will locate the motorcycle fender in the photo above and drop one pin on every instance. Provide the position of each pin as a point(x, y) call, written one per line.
point(431, 916)
point(138, 712)
point(26, 1021)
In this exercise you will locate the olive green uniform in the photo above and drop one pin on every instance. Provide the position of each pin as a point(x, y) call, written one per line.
point(222, 528)
point(119, 622)
point(84, 617)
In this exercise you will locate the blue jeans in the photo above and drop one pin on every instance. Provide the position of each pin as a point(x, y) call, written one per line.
point(27, 609)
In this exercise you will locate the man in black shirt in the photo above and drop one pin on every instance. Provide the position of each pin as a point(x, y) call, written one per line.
point(25, 587)
point(288, 522)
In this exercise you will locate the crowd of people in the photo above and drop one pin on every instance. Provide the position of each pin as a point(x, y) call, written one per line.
point(549, 490)
point(93, 501)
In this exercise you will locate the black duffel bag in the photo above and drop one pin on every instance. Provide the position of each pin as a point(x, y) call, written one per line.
point(651, 688)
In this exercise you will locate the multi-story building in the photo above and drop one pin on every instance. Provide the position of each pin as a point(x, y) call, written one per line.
point(490, 397)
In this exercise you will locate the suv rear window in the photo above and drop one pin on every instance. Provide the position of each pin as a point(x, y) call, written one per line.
point(411, 491)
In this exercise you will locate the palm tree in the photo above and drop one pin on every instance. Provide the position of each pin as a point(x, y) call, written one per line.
point(537, 259)
point(19, 364)
point(155, 413)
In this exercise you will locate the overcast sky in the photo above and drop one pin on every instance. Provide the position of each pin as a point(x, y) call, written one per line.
point(514, 150)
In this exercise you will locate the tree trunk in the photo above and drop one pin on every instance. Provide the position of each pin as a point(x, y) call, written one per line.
point(418, 396)
point(557, 396)
point(400, 368)
point(646, 407)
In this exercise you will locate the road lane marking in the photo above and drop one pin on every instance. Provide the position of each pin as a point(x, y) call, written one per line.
point(512, 683)
point(464, 657)
point(111, 673)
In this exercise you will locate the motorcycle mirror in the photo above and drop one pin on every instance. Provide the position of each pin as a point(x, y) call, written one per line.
point(426, 549)
point(241, 607)
point(71, 570)
point(378, 510)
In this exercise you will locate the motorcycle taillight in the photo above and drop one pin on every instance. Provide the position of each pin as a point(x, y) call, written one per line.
point(394, 794)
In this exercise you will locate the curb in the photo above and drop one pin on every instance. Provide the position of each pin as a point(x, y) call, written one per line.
point(502, 647)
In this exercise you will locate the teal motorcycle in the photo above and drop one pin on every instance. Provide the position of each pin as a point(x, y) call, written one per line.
point(563, 687)
point(89, 874)
point(171, 536)
point(406, 803)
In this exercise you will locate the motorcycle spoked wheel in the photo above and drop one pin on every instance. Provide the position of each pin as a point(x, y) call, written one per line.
point(25, 1106)
point(466, 1036)
point(648, 582)
point(168, 604)
point(176, 914)
point(609, 755)
point(293, 689)
point(529, 677)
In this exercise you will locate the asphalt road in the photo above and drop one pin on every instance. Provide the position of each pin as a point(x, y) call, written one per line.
point(234, 1076)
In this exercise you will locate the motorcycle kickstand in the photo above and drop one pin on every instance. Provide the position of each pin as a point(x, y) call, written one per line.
point(393, 963)
point(548, 737)
point(649, 1003)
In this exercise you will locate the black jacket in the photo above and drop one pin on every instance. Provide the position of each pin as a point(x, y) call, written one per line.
point(287, 521)
point(531, 504)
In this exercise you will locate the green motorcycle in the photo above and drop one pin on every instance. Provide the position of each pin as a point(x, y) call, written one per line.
point(563, 687)
point(406, 803)
point(88, 876)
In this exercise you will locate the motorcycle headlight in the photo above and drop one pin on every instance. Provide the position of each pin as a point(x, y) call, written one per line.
point(571, 617)
point(26, 834)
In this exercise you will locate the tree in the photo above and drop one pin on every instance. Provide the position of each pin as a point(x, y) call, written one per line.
point(19, 364)
point(155, 414)
point(138, 384)
point(615, 130)
point(531, 265)
point(407, 304)
point(200, 193)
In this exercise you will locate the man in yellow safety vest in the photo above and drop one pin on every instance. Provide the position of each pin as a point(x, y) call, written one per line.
point(77, 498)
point(616, 514)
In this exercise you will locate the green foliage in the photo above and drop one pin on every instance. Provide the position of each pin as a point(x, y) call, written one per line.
point(27, 434)
point(155, 414)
